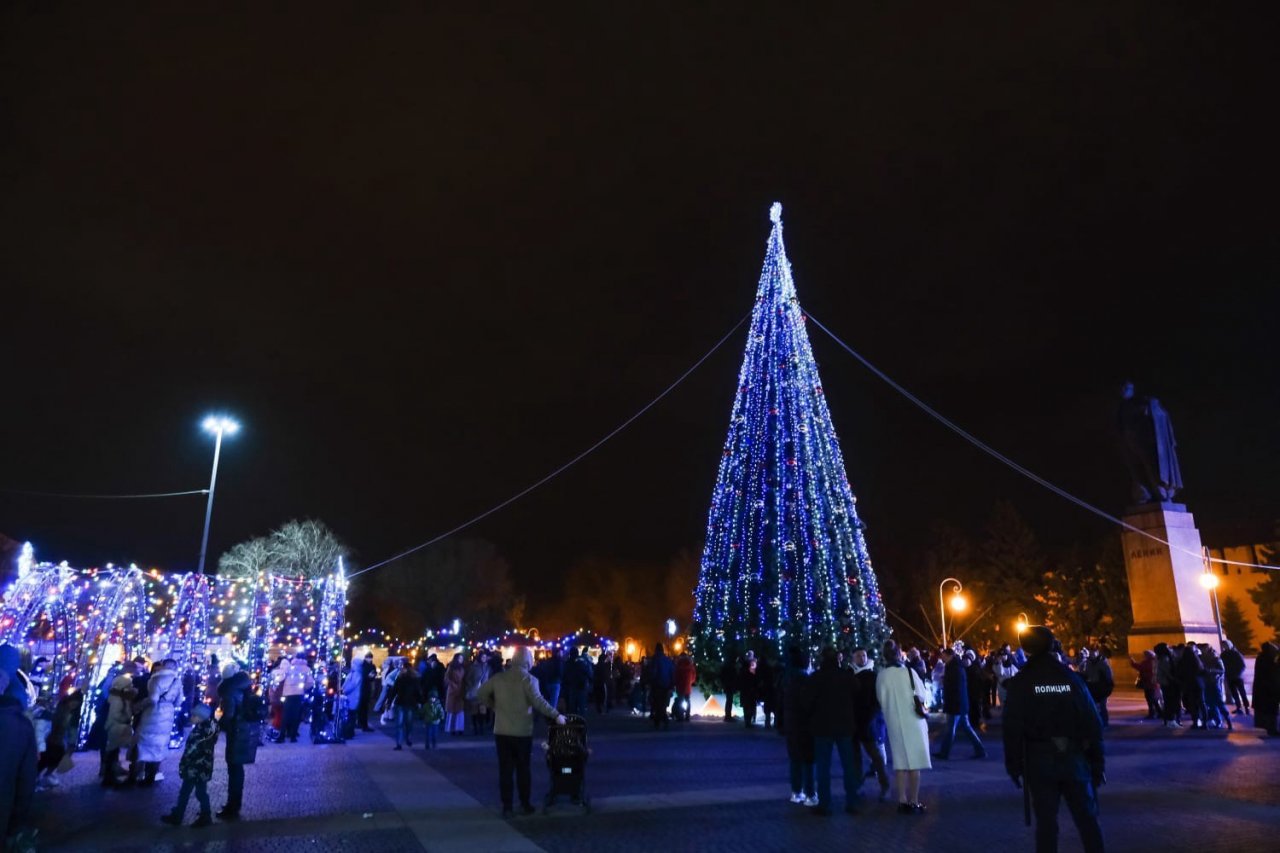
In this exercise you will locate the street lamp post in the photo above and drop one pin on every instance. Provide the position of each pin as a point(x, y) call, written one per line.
point(218, 426)
point(1209, 581)
point(957, 604)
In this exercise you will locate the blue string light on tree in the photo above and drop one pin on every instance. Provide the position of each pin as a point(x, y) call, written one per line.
point(785, 561)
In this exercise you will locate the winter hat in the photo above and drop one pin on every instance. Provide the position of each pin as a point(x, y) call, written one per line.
point(200, 712)
point(522, 659)
point(230, 670)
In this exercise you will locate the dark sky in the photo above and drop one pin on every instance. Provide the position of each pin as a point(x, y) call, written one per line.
point(427, 255)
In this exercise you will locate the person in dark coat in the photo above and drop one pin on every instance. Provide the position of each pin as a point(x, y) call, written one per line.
point(955, 704)
point(550, 672)
point(433, 679)
point(1189, 672)
point(18, 754)
point(829, 700)
point(662, 677)
point(976, 677)
point(1170, 692)
point(1233, 673)
point(868, 723)
point(368, 674)
point(799, 737)
point(748, 688)
point(729, 681)
point(241, 733)
point(196, 769)
point(1266, 689)
point(602, 688)
point(406, 699)
point(578, 677)
point(1053, 743)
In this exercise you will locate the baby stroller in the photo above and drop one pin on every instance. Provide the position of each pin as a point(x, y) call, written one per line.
point(567, 754)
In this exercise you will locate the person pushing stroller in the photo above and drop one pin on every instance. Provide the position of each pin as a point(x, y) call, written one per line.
point(514, 694)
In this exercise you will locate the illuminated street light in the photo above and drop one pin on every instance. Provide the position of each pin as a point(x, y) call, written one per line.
point(958, 603)
point(671, 627)
point(1209, 580)
point(218, 426)
point(1022, 623)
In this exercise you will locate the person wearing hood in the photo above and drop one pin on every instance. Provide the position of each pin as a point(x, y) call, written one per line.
point(236, 704)
point(164, 695)
point(296, 681)
point(119, 723)
point(514, 696)
point(351, 689)
point(18, 753)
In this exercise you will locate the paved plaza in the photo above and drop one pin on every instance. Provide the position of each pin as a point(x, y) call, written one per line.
point(705, 786)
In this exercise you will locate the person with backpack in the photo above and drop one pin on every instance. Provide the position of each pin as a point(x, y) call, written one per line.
point(241, 721)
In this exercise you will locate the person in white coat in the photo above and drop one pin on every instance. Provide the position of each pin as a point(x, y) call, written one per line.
point(164, 695)
point(897, 688)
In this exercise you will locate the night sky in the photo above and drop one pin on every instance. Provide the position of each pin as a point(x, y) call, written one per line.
point(428, 255)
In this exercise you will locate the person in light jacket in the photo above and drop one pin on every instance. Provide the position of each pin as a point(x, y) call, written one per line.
point(514, 695)
point(296, 681)
point(908, 733)
point(119, 724)
point(164, 695)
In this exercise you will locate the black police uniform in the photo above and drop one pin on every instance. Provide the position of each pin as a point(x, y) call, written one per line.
point(1053, 741)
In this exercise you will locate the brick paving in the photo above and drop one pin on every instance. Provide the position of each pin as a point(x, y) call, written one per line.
point(705, 786)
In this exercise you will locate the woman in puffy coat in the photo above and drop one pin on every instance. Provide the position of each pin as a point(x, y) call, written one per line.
point(455, 696)
point(119, 724)
point(164, 695)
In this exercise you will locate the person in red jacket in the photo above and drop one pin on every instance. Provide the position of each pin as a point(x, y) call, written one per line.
point(686, 674)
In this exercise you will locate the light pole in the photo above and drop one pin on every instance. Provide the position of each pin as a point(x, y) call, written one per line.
point(958, 604)
point(218, 425)
point(1209, 581)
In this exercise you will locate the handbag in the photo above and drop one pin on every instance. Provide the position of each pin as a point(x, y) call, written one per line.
point(915, 700)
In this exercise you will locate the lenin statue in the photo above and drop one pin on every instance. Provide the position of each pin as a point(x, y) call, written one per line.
point(1146, 441)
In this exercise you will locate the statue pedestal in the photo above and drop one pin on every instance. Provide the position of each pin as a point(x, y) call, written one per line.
point(1169, 604)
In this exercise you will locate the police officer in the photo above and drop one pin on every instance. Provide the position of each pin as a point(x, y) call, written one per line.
point(1053, 743)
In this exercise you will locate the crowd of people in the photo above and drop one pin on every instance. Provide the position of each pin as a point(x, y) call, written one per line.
point(858, 708)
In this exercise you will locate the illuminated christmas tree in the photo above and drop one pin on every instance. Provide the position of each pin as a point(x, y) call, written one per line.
point(785, 562)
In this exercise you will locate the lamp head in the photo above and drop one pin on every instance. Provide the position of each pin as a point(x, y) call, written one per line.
point(220, 425)
point(1209, 580)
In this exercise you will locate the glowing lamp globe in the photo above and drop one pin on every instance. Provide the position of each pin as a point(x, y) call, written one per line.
point(1209, 580)
point(221, 424)
point(959, 603)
